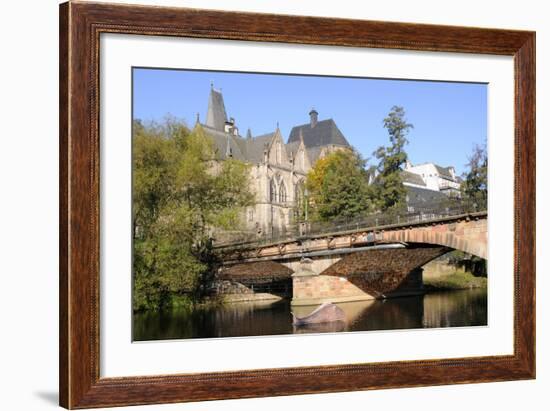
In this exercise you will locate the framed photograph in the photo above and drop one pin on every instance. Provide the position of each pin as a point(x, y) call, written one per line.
point(258, 205)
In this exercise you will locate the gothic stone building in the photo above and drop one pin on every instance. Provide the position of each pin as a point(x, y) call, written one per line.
point(278, 169)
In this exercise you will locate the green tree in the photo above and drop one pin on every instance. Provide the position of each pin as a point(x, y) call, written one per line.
point(474, 186)
point(338, 186)
point(180, 194)
point(388, 185)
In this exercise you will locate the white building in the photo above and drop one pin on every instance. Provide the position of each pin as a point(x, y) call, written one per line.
point(432, 177)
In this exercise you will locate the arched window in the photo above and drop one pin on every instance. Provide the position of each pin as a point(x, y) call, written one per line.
point(282, 192)
point(272, 192)
point(299, 193)
point(299, 200)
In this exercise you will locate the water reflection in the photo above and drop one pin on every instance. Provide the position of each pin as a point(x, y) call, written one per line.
point(444, 309)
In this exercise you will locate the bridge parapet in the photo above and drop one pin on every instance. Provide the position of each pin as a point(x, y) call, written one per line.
point(374, 222)
point(465, 232)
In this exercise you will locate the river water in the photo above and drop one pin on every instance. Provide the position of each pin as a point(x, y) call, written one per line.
point(438, 309)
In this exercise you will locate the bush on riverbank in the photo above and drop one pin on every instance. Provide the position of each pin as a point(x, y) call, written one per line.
point(459, 280)
point(181, 193)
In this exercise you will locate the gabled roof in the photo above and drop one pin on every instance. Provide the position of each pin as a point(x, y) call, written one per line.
point(292, 148)
point(255, 147)
point(324, 133)
point(444, 171)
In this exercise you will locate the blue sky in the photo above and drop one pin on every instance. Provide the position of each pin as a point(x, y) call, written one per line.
point(448, 118)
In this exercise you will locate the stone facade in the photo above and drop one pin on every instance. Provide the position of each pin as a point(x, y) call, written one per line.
point(279, 169)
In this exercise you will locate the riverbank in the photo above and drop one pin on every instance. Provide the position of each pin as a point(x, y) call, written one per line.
point(458, 280)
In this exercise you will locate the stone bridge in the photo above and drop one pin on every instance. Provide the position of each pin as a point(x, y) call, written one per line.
point(352, 264)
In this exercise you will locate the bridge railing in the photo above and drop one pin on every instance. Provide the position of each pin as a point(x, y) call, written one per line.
point(304, 229)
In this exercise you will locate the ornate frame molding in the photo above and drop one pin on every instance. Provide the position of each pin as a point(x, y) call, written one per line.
point(80, 27)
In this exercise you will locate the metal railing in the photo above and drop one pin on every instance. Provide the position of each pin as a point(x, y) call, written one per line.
point(307, 229)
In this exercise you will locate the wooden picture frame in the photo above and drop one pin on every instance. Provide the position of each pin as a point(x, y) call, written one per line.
point(80, 27)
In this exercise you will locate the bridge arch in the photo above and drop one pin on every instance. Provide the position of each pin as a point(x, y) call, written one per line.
point(469, 236)
point(385, 260)
point(260, 280)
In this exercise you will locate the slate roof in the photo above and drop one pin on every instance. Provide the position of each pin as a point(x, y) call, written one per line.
point(292, 148)
point(444, 171)
point(412, 178)
point(251, 149)
point(245, 149)
point(216, 115)
point(221, 140)
point(325, 132)
point(255, 147)
point(419, 198)
point(312, 153)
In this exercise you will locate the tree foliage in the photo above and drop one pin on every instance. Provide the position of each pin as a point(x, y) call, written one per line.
point(389, 190)
point(338, 186)
point(474, 186)
point(180, 194)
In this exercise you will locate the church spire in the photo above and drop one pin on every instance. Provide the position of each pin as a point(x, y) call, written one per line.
point(248, 134)
point(216, 115)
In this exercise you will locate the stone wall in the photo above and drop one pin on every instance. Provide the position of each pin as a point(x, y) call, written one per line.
point(318, 289)
point(310, 288)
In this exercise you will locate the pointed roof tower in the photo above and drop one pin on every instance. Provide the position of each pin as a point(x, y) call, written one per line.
point(216, 115)
point(248, 134)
